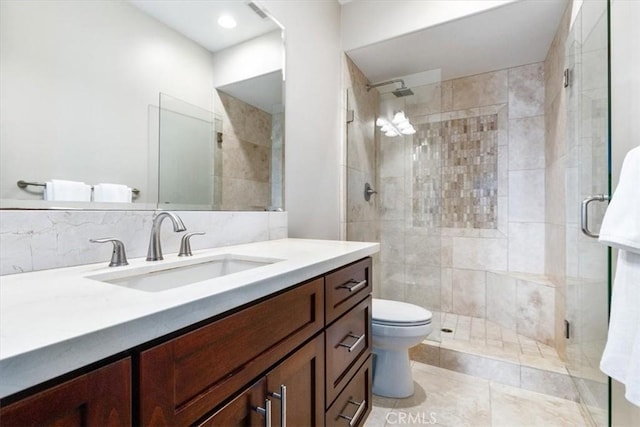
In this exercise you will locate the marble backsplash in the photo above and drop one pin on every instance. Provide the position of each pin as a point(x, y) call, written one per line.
point(34, 240)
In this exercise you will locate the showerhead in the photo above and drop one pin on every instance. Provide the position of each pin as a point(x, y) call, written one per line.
point(402, 91)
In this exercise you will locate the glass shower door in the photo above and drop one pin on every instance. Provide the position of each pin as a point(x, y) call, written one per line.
point(587, 176)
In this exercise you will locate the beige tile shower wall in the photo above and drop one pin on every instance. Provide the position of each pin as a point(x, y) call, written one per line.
point(460, 259)
point(526, 169)
point(555, 109)
point(246, 154)
point(361, 215)
point(517, 245)
point(523, 303)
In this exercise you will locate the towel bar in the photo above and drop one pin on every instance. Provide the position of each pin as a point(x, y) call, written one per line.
point(25, 184)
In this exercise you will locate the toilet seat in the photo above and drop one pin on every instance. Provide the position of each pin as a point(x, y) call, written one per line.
point(400, 314)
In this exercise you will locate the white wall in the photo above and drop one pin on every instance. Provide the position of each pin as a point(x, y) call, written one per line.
point(252, 58)
point(366, 22)
point(625, 132)
point(313, 115)
point(77, 81)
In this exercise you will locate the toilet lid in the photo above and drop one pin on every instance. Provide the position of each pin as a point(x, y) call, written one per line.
point(387, 312)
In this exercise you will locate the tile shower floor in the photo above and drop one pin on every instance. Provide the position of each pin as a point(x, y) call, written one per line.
point(481, 374)
point(481, 337)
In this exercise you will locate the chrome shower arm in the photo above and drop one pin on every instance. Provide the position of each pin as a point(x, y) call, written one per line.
point(371, 86)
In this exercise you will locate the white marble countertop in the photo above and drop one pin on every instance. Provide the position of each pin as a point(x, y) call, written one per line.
point(55, 321)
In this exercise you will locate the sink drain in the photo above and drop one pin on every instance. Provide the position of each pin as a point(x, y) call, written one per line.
point(447, 330)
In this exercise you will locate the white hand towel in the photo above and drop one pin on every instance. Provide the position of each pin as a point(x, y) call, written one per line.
point(621, 229)
point(48, 191)
point(111, 193)
point(70, 191)
point(621, 223)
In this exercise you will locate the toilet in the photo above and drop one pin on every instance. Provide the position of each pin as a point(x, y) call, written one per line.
point(396, 326)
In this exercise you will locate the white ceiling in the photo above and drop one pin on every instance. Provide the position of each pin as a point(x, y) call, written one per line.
point(198, 20)
point(514, 34)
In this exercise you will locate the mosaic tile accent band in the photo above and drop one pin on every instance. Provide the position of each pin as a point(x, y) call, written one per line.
point(455, 173)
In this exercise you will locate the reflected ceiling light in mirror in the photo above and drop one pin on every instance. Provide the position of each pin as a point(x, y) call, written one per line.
point(227, 21)
point(399, 125)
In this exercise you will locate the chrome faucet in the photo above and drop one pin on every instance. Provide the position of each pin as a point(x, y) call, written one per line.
point(155, 249)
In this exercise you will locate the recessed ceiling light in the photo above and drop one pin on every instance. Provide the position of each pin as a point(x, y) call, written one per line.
point(226, 21)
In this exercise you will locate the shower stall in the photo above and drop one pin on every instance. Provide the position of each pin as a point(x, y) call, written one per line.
point(478, 211)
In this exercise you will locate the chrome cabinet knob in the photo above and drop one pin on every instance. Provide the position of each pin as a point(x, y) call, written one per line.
point(118, 257)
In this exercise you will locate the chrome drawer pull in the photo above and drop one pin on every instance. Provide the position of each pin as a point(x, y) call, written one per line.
point(354, 420)
point(355, 344)
point(282, 396)
point(353, 285)
point(266, 412)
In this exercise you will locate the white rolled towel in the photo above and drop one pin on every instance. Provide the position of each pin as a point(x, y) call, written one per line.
point(67, 191)
point(48, 191)
point(111, 193)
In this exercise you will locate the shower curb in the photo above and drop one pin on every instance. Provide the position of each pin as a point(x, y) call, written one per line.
point(550, 382)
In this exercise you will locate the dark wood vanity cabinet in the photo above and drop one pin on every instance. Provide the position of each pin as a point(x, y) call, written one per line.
point(313, 340)
point(101, 398)
point(348, 345)
point(302, 354)
point(182, 380)
point(348, 384)
point(241, 411)
point(293, 390)
point(353, 404)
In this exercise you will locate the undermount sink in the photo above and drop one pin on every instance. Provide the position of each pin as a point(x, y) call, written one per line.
point(178, 274)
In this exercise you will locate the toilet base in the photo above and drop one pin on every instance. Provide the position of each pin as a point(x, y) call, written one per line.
point(392, 374)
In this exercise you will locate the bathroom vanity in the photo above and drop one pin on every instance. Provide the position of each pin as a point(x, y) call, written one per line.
point(290, 343)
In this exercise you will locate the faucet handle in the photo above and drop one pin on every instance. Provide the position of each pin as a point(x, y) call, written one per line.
point(118, 257)
point(185, 243)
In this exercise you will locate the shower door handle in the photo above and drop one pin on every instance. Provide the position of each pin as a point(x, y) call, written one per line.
point(584, 213)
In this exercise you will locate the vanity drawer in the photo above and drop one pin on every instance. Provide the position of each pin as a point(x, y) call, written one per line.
point(353, 405)
point(348, 342)
point(187, 377)
point(101, 397)
point(345, 287)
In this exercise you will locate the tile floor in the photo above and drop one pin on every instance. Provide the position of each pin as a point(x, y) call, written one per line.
point(482, 374)
point(448, 398)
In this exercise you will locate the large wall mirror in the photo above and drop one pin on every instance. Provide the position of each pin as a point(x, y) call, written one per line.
point(154, 95)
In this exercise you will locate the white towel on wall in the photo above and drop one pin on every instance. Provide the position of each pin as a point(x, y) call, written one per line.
point(111, 193)
point(621, 229)
point(67, 191)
